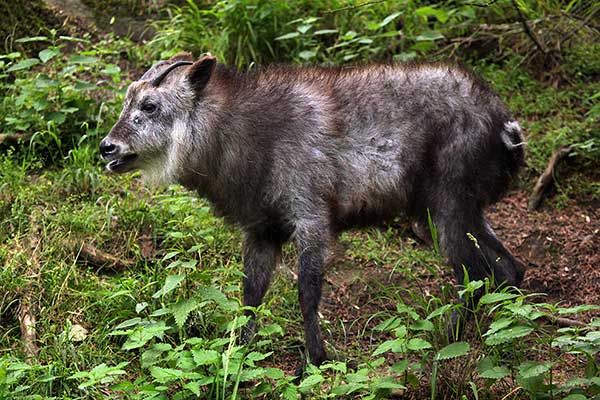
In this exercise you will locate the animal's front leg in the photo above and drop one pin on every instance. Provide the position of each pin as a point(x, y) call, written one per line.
point(260, 258)
point(313, 246)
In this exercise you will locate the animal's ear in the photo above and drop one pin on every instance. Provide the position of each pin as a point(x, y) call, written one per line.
point(181, 57)
point(200, 72)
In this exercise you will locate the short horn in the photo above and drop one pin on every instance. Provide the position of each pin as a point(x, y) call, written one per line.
point(156, 81)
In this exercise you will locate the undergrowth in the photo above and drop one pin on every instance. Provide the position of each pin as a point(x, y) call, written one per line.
point(165, 322)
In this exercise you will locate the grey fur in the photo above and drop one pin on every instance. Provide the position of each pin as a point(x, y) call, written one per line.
point(305, 153)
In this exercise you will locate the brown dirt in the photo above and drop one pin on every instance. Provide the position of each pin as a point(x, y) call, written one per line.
point(561, 247)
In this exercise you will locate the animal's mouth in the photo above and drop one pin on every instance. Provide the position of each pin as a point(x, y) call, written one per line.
point(122, 164)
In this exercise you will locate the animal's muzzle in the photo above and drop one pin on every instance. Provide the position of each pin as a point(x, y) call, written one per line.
point(121, 159)
point(108, 149)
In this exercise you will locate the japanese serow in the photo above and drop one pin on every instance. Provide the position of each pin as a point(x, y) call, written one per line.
point(303, 153)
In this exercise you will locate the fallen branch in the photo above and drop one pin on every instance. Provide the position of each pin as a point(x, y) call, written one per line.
point(27, 323)
point(546, 178)
point(27, 302)
point(102, 260)
point(562, 322)
point(14, 138)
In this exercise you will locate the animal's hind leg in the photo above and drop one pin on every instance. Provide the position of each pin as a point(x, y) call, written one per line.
point(468, 241)
point(471, 245)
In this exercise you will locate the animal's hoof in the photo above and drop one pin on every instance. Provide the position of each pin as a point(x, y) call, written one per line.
point(248, 332)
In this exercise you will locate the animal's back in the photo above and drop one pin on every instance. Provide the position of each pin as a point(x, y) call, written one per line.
point(383, 129)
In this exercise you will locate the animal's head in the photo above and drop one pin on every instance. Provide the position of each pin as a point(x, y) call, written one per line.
point(155, 113)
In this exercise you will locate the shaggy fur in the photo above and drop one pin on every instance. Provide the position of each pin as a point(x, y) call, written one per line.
point(305, 153)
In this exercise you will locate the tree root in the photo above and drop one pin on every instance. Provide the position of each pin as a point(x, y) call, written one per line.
point(546, 178)
point(562, 322)
point(102, 260)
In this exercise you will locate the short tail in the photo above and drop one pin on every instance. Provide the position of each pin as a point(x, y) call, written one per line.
point(512, 137)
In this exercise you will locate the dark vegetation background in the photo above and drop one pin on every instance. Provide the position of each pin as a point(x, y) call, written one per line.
point(109, 289)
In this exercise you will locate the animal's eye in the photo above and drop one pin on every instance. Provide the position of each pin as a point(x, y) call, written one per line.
point(148, 107)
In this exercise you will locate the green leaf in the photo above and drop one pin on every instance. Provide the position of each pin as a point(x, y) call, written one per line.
point(349, 35)
point(404, 309)
point(31, 39)
point(256, 356)
point(81, 59)
point(395, 345)
point(182, 309)
point(170, 255)
point(171, 283)
point(290, 392)
point(496, 297)
point(578, 309)
point(164, 375)
point(389, 19)
point(304, 28)
point(99, 374)
point(495, 373)
point(530, 369)
point(290, 35)
point(440, 311)
point(498, 325)
point(506, 335)
point(389, 324)
point(204, 357)
point(400, 366)
point(48, 54)
point(346, 389)
point(429, 36)
point(274, 373)
point(406, 56)
point(385, 384)
point(130, 322)
point(325, 32)
point(309, 382)
point(428, 11)
point(422, 325)
point(193, 387)
point(142, 335)
point(57, 117)
point(44, 81)
point(270, 329)
point(307, 54)
point(152, 355)
point(111, 69)
point(83, 85)
point(418, 344)
point(24, 64)
point(453, 350)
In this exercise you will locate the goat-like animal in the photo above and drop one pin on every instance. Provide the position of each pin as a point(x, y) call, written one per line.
point(303, 153)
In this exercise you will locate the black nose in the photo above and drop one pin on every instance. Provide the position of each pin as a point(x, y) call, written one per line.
point(108, 149)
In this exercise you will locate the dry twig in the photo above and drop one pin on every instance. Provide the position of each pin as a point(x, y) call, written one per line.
point(546, 178)
point(102, 260)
